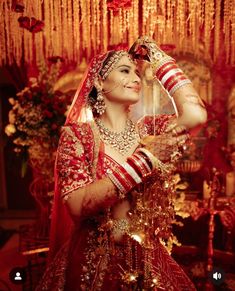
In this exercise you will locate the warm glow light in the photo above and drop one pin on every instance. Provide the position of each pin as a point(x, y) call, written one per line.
point(36, 251)
point(138, 237)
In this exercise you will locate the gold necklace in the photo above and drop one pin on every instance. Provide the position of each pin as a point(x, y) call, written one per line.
point(120, 141)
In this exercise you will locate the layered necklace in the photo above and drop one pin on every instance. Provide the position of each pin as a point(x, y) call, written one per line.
point(120, 141)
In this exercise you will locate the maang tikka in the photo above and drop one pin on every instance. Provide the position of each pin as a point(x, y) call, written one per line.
point(99, 105)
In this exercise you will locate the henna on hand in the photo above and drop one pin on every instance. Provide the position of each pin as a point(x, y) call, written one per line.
point(98, 196)
point(162, 146)
point(190, 99)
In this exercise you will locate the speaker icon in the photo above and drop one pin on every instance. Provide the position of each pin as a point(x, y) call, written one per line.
point(217, 276)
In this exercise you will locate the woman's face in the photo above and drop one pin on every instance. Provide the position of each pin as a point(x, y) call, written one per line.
point(122, 85)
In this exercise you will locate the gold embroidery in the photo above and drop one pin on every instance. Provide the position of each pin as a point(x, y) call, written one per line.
point(96, 137)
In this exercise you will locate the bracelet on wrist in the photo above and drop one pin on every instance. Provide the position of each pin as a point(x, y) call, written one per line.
point(130, 173)
point(169, 74)
point(155, 161)
point(150, 156)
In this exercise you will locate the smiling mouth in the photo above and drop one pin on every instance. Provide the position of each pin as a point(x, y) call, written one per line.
point(135, 88)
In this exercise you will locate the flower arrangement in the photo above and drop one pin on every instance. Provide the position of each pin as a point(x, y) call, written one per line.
point(31, 24)
point(37, 114)
point(115, 5)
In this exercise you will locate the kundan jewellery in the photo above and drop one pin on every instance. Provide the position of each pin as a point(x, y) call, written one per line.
point(100, 106)
point(120, 141)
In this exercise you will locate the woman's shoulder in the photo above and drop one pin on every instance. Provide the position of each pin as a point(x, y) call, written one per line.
point(79, 126)
point(79, 130)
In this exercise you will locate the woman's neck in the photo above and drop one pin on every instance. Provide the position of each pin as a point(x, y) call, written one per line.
point(115, 117)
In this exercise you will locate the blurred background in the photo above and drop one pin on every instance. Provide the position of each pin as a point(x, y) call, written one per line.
point(45, 47)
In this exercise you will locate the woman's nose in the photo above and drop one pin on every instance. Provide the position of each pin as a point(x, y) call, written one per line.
point(136, 78)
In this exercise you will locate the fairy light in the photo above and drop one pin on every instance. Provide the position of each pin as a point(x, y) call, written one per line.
point(83, 24)
point(217, 30)
point(105, 25)
point(76, 28)
point(69, 30)
point(152, 15)
point(48, 39)
point(123, 25)
point(148, 17)
point(144, 16)
point(112, 25)
point(208, 24)
point(135, 19)
point(2, 34)
point(233, 38)
point(127, 25)
point(38, 37)
point(93, 27)
point(195, 26)
point(53, 28)
point(228, 27)
point(89, 24)
point(130, 19)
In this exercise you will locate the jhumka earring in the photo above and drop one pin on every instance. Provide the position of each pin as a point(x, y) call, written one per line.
point(100, 105)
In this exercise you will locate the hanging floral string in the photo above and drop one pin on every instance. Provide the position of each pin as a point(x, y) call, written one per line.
point(74, 29)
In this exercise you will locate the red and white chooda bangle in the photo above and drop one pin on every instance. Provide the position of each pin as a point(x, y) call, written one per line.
point(170, 75)
point(131, 173)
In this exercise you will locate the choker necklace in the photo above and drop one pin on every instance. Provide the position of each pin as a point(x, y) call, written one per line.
point(120, 141)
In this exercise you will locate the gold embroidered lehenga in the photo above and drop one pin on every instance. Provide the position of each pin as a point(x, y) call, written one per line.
point(83, 253)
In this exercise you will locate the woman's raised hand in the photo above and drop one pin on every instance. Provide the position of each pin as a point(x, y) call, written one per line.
point(146, 49)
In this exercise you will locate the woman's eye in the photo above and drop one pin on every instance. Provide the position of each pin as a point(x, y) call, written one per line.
point(125, 71)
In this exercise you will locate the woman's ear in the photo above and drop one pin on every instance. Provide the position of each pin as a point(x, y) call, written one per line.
point(98, 82)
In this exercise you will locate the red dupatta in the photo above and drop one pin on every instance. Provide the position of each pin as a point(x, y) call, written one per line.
point(61, 223)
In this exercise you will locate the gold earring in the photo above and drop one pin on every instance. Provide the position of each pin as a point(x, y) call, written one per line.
point(100, 104)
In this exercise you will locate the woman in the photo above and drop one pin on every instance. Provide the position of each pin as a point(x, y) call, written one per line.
point(114, 177)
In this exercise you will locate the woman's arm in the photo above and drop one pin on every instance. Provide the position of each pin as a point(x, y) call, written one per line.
point(85, 197)
point(93, 198)
point(190, 107)
point(75, 184)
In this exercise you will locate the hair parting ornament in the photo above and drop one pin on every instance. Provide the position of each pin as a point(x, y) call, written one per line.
point(112, 62)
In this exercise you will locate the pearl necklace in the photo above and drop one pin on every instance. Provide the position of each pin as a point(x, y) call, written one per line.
point(120, 141)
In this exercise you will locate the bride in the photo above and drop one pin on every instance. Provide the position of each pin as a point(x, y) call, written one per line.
point(113, 189)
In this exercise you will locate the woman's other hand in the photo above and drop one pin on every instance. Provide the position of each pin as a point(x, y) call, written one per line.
point(167, 145)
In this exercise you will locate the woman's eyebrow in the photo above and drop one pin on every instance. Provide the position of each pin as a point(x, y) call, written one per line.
point(124, 66)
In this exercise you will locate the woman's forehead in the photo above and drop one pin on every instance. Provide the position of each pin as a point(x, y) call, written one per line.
point(126, 60)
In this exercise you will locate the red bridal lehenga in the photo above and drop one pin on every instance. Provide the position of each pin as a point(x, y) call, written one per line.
point(83, 252)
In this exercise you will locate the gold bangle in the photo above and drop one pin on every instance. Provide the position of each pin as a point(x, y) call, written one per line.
point(156, 163)
point(159, 63)
point(148, 154)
